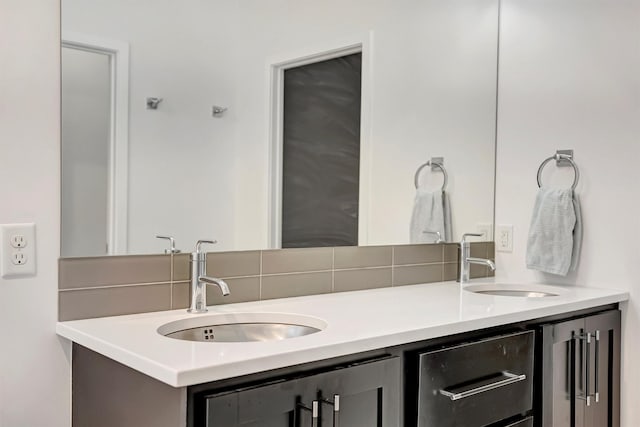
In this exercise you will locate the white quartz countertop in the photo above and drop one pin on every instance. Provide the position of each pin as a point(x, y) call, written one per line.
point(355, 322)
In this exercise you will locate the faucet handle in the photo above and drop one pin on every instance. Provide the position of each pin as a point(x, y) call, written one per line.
point(172, 245)
point(202, 242)
point(465, 235)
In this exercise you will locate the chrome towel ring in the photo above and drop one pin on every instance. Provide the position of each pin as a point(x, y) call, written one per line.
point(433, 164)
point(558, 157)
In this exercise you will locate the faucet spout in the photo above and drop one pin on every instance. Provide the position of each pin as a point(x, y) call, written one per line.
point(465, 259)
point(215, 281)
point(199, 280)
point(482, 261)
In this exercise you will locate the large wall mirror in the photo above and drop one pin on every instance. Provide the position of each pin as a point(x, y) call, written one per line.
point(202, 118)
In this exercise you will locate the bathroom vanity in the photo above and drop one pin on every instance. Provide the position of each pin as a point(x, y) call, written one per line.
point(421, 355)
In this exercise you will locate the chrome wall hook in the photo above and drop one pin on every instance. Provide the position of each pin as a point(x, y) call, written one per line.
point(217, 111)
point(152, 103)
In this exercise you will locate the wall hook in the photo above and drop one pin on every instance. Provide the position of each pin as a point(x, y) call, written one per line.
point(152, 103)
point(217, 111)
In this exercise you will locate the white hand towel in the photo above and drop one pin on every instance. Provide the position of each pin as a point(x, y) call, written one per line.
point(431, 212)
point(555, 234)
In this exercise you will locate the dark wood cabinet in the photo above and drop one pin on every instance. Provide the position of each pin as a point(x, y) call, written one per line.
point(359, 395)
point(580, 372)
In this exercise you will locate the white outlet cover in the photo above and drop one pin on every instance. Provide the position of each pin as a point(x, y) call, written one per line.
point(504, 238)
point(17, 261)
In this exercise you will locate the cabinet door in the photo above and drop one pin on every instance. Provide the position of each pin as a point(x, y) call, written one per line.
point(603, 370)
point(558, 374)
point(368, 395)
point(580, 372)
point(274, 405)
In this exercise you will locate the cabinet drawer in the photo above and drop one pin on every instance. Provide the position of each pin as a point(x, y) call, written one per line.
point(477, 383)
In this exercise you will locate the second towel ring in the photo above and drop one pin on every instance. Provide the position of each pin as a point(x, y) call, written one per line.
point(429, 163)
point(559, 156)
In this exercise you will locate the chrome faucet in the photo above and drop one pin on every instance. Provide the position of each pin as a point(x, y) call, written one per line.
point(466, 259)
point(199, 280)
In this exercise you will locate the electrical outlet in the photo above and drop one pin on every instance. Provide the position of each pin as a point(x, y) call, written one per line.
point(504, 238)
point(17, 250)
point(486, 230)
point(18, 241)
point(18, 258)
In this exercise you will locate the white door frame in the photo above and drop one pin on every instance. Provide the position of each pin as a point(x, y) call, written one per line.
point(276, 108)
point(118, 52)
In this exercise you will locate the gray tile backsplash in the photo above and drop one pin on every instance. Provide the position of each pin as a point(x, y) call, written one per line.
point(113, 270)
point(362, 278)
point(296, 260)
point(106, 286)
point(360, 257)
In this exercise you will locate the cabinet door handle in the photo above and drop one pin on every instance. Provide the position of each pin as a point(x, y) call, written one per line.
point(506, 379)
point(586, 337)
point(597, 364)
point(336, 409)
point(314, 409)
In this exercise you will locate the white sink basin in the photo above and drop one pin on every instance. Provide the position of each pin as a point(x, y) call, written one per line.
point(515, 290)
point(242, 327)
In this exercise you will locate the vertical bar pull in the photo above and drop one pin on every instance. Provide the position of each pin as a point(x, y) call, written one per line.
point(336, 409)
point(315, 413)
point(587, 367)
point(597, 364)
point(314, 409)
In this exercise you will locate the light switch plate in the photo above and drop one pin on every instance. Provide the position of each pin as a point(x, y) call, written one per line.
point(18, 247)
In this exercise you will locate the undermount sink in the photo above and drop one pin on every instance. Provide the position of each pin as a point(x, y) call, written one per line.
point(242, 327)
point(513, 290)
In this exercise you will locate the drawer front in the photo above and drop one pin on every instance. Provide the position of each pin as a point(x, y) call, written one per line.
point(477, 383)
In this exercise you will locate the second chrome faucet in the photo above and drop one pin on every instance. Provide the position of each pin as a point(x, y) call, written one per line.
point(200, 280)
point(465, 259)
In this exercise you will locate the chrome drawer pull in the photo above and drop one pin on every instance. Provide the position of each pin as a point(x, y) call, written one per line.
point(336, 408)
point(315, 412)
point(510, 379)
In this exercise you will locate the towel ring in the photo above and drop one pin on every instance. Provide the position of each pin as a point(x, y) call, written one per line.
point(559, 156)
point(429, 163)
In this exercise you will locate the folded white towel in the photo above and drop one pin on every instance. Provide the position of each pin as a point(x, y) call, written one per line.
point(431, 212)
point(555, 233)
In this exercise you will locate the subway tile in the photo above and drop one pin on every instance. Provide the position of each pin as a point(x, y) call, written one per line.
point(113, 301)
point(414, 274)
point(355, 280)
point(233, 264)
point(417, 254)
point(240, 290)
point(479, 249)
point(451, 252)
point(449, 271)
point(478, 271)
point(180, 295)
point(292, 285)
point(113, 270)
point(181, 267)
point(491, 250)
point(296, 260)
point(362, 256)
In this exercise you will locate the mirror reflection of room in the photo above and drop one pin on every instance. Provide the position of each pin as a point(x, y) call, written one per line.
point(195, 145)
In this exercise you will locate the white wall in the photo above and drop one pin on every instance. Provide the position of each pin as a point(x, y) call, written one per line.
point(34, 363)
point(570, 78)
point(432, 93)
